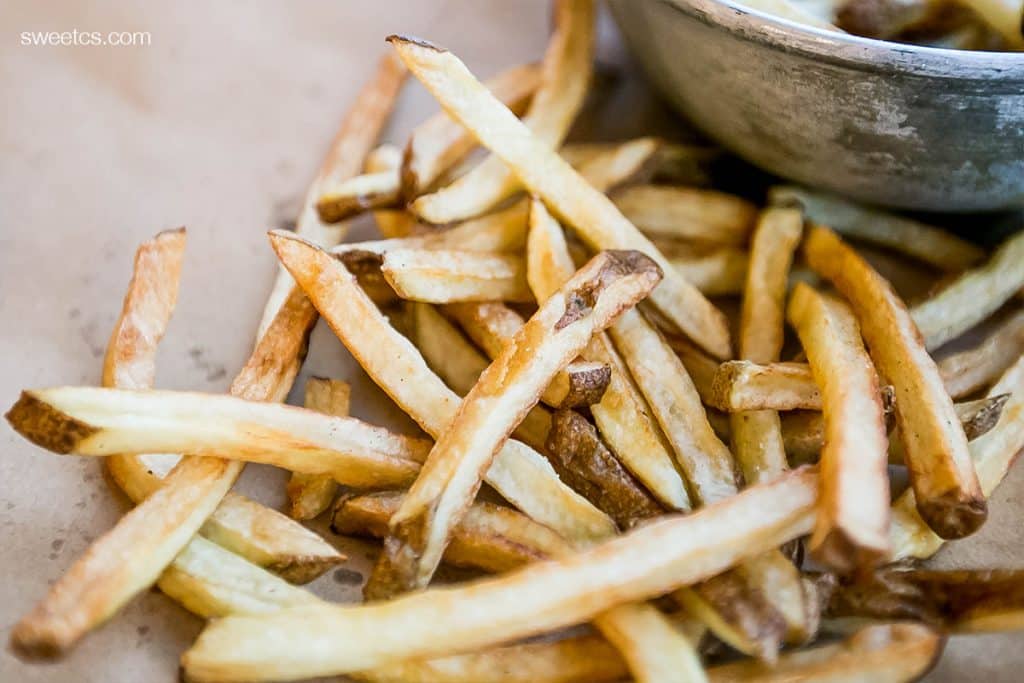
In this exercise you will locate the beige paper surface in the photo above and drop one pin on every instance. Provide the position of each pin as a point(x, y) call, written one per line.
point(218, 125)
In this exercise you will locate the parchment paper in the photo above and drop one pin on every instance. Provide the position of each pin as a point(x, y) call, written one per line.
point(219, 125)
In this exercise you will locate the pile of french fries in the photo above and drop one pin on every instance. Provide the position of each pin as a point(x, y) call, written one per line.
point(543, 315)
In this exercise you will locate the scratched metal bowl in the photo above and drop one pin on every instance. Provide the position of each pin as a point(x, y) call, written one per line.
point(887, 123)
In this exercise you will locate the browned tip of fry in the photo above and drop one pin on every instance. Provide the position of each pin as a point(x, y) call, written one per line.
point(45, 426)
point(30, 640)
point(839, 550)
point(398, 40)
point(171, 233)
point(408, 179)
point(953, 515)
point(361, 262)
point(612, 264)
point(395, 570)
point(721, 384)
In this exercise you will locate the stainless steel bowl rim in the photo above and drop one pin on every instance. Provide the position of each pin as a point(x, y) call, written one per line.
point(854, 51)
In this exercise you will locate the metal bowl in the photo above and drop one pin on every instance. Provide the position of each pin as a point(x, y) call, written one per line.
point(886, 123)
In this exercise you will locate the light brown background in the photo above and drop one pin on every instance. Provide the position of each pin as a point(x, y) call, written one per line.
point(218, 125)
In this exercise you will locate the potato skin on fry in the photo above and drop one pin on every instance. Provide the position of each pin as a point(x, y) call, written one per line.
point(586, 464)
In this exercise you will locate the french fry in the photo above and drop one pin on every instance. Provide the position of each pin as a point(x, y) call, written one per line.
point(968, 371)
point(521, 475)
point(927, 244)
point(311, 494)
point(973, 296)
point(546, 175)
point(488, 537)
point(720, 272)
point(888, 653)
point(88, 421)
point(540, 597)
point(565, 76)
point(586, 464)
point(688, 213)
point(506, 391)
point(992, 456)
point(357, 194)
point(447, 276)
point(744, 385)
point(794, 11)
point(396, 222)
point(1003, 16)
point(621, 414)
point(700, 366)
point(439, 143)
point(958, 601)
point(352, 143)
point(852, 527)
point(615, 164)
point(947, 492)
point(757, 436)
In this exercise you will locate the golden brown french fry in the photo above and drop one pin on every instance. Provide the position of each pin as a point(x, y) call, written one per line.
point(973, 296)
point(607, 166)
point(521, 475)
point(961, 601)
point(719, 272)
point(446, 276)
point(311, 494)
point(506, 391)
point(546, 175)
point(621, 414)
point(928, 244)
point(439, 143)
point(992, 455)
point(353, 196)
point(795, 11)
point(852, 529)
point(352, 143)
point(888, 653)
point(688, 213)
point(540, 597)
point(391, 222)
point(756, 435)
point(743, 385)
point(565, 76)
point(89, 421)
point(947, 492)
point(586, 464)
point(968, 371)
point(488, 537)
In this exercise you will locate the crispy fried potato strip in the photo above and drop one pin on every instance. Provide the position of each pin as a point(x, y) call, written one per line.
point(688, 213)
point(742, 385)
point(852, 529)
point(968, 371)
point(447, 276)
point(973, 296)
point(540, 597)
point(546, 175)
point(357, 194)
point(928, 244)
point(565, 77)
point(505, 392)
point(89, 421)
point(992, 455)
point(311, 494)
point(945, 484)
point(757, 436)
point(520, 474)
